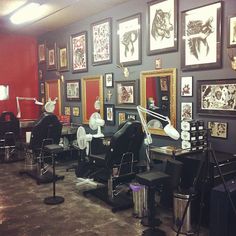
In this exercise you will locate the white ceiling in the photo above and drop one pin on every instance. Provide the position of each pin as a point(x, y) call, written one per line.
point(61, 13)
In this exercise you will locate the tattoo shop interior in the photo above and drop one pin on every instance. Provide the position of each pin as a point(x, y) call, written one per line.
point(117, 117)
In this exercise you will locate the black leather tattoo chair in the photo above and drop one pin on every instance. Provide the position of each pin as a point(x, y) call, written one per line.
point(117, 165)
point(46, 131)
point(9, 134)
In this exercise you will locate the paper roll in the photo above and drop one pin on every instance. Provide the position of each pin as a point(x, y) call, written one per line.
point(28, 135)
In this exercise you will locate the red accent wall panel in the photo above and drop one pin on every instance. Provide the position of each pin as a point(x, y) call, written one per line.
point(92, 92)
point(19, 70)
point(151, 89)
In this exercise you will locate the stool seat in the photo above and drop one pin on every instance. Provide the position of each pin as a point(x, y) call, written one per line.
point(53, 148)
point(152, 178)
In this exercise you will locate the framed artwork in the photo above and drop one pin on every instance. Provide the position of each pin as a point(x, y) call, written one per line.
point(129, 40)
point(102, 42)
point(67, 111)
point(41, 52)
point(216, 97)
point(42, 88)
point(79, 47)
point(187, 86)
point(162, 26)
point(201, 37)
point(125, 93)
point(131, 116)
point(76, 111)
point(109, 110)
point(51, 57)
point(186, 110)
point(63, 55)
point(218, 129)
point(40, 74)
point(109, 80)
point(72, 90)
point(231, 31)
point(121, 117)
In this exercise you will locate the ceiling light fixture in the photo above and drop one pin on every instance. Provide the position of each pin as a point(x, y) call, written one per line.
point(26, 13)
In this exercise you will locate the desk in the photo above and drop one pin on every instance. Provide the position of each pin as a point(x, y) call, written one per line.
point(191, 163)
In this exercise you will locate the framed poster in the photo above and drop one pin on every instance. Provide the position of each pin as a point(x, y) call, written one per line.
point(231, 32)
point(102, 42)
point(186, 110)
point(51, 57)
point(42, 89)
point(121, 117)
point(216, 97)
point(201, 37)
point(67, 111)
point(129, 40)
point(79, 47)
point(218, 129)
point(109, 110)
point(187, 86)
point(63, 58)
point(162, 26)
point(41, 52)
point(109, 80)
point(125, 93)
point(76, 111)
point(72, 90)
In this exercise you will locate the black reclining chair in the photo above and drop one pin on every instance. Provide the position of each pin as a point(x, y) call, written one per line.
point(47, 130)
point(9, 134)
point(118, 164)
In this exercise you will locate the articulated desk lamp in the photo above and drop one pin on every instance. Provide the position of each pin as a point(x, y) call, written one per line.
point(169, 129)
point(36, 102)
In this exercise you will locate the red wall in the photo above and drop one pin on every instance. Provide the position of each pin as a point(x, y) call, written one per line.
point(19, 70)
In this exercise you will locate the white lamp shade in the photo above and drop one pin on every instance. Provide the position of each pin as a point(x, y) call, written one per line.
point(171, 132)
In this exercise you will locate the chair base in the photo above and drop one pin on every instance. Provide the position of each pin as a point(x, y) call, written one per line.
point(153, 232)
point(53, 200)
point(120, 202)
point(41, 179)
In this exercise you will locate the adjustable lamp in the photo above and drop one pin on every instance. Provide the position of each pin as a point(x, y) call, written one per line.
point(36, 102)
point(169, 129)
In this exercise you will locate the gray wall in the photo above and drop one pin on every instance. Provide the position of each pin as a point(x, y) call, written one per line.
point(168, 60)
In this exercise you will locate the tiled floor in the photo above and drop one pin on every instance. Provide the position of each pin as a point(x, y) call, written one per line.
point(23, 213)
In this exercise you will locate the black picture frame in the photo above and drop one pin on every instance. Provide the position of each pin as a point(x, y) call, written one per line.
point(109, 80)
point(102, 42)
point(51, 57)
point(79, 52)
point(129, 40)
point(41, 52)
point(204, 51)
point(162, 39)
point(186, 86)
point(231, 34)
point(110, 116)
point(216, 97)
point(63, 58)
point(126, 97)
point(218, 129)
point(72, 90)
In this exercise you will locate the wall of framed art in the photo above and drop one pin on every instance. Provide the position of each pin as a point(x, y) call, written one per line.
point(174, 50)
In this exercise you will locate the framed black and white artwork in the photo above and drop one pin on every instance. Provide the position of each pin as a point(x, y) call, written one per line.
point(201, 37)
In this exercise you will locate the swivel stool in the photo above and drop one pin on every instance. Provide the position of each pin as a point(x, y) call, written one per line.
point(54, 150)
point(152, 179)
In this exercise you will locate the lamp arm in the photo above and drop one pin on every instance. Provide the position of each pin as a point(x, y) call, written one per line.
point(27, 99)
